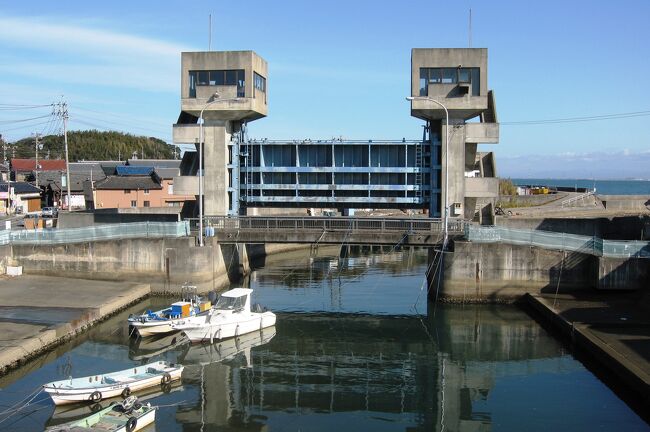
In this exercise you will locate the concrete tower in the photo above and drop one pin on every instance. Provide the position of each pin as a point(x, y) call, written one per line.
point(230, 87)
point(457, 79)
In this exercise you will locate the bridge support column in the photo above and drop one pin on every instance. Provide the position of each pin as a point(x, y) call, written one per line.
point(235, 259)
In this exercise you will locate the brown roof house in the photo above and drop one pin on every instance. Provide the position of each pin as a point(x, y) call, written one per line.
point(133, 187)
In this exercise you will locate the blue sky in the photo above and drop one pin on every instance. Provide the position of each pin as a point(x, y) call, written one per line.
point(342, 69)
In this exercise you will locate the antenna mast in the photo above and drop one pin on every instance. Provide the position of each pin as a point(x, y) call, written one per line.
point(210, 32)
point(470, 27)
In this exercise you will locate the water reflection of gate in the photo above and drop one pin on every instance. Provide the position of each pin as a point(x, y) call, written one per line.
point(377, 367)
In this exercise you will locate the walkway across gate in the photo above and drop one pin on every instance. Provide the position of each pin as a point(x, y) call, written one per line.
point(331, 230)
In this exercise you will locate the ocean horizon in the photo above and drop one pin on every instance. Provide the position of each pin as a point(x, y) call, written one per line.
point(604, 187)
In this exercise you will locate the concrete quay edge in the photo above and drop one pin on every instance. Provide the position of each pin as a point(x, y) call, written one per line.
point(31, 347)
point(632, 375)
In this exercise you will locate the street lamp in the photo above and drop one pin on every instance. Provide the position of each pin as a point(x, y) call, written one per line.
point(212, 99)
point(446, 216)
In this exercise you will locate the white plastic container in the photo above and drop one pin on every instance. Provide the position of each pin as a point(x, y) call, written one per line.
point(14, 270)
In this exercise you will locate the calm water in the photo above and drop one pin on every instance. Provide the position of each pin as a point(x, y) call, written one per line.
point(350, 352)
point(604, 187)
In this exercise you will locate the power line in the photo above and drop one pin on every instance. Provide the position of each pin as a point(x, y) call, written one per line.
point(119, 124)
point(24, 120)
point(579, 119)
point(26, 126)
point(119, 116)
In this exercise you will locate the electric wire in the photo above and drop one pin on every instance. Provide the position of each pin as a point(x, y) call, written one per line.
point(108, 122)
point(119, 116)
point(24, 120)
point(578, 119)
point(25, 126)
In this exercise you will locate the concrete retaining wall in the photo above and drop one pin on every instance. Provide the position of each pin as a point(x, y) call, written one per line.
point(625, 202)
point(623, 273)
point(616, 228)
point(166, 264)
point(112, 216)
point(494, 272)
point(530, 200)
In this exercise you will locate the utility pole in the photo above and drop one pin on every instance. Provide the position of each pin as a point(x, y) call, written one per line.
point(37, 136)
point(4, 159)
point(64, 114)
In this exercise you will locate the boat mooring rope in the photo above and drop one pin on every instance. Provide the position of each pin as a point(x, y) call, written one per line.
point(20, 405)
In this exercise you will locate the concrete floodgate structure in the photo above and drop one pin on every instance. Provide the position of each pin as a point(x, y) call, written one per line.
point(249, 176)
point(229, 90)
point(35, 320)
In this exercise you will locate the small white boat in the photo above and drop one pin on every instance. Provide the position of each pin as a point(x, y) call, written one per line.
point(71, 412)
point(129, 416)
point(160, 322)
point(122, 383)
point(230, 317)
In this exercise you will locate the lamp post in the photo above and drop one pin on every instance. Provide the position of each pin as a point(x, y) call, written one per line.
point(212, 99)
point(446, 215)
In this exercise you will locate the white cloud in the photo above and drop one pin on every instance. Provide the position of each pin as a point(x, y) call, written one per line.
point(73, 53)
point(624, 164)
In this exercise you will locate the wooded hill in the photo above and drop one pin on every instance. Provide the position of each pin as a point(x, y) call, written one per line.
point(93, 145)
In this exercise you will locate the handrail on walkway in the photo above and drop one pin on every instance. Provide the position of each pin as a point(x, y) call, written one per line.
point(559, 241)
point(333, 224)
point(117, 231)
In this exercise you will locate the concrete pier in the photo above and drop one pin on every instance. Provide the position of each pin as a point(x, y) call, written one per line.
point(40, 312)
point(611, 329)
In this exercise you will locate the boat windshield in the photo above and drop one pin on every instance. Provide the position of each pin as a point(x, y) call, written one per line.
point(231, 303)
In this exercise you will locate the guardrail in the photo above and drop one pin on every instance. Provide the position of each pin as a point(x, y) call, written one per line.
point(423, 225)
point(577, 198)
point(95, 233)
point(559, 241)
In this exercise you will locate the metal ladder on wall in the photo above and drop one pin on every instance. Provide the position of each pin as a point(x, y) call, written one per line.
point(419, 163)
point(246, 152)
point(418, 172)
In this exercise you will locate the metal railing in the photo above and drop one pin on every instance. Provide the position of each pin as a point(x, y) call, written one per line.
point(423, 225)
point(559, 241)
point(95, 233)
point(577, 198)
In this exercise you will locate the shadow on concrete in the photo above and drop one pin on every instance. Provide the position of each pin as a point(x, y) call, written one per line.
point(615, 228)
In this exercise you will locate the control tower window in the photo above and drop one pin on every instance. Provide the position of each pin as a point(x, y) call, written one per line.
point(217, 78)
point(233, 77)
point(450, 76)
point(203, 78)
point(259, 84)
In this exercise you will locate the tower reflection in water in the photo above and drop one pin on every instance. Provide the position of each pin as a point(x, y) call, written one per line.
point(356, 372)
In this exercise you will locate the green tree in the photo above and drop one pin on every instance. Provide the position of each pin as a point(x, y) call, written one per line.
point(96, 145)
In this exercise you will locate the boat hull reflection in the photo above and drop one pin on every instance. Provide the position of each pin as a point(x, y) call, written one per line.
point(227, 349)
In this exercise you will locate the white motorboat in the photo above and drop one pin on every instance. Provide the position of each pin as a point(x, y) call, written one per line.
point(97, 387)
point(129, 416)
point(160, 322)
point(230, 317)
